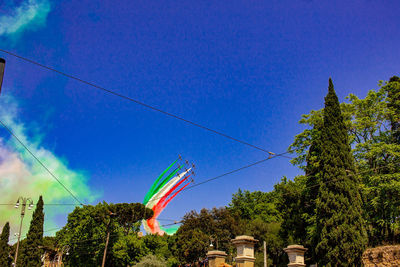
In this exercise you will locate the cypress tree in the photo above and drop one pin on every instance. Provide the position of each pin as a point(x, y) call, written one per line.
point(339, 224)
point(4, 247)
point(31, 253)
point(310, 193)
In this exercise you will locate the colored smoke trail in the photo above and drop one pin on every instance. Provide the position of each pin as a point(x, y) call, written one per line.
point(163, 190)
point(22, 175)
point(29, 14)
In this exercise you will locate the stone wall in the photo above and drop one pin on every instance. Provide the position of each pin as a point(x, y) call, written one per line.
point(382, 256)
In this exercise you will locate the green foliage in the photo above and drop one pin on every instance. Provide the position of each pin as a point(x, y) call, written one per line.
point(129, 214)
point(128, 250)
point(85, 233)
point(306, 213)
point(31, 252)
point(372, 126)
point(380, 161)
point(262, 214)
point(250, 205)
point(199, 229)
point(393, 93)
point(270, 233)
point(158, 245)
point(303, 141)
point(131, 249)
point(151, 261)
point(289, 195)
point(4, 247)
point(340, 226)
point(49, 242)
point(86, 230)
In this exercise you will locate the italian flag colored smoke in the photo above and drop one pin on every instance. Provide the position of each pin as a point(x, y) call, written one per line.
point(165, 188)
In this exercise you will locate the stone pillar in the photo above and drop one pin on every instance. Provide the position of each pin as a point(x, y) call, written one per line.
point(296, 255)
point(215, 258)
point(245, 250)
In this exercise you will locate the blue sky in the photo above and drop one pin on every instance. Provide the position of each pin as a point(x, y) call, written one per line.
point(246, 68)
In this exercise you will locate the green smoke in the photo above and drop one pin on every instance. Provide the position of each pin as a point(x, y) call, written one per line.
point(22, 175)
point(29, 14)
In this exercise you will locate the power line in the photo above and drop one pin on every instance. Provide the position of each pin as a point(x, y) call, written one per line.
point(233, 171)
point(50, 230)
point(220, 176)
point(40, 162)
point(271, 156)
point(112, 92)
point(236, 170)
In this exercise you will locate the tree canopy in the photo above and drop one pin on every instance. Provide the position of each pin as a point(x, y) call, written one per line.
point(86, 229)
point(31, 252)
point(4, 247)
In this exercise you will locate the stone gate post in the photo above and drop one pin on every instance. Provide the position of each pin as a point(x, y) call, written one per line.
point(245, 250)
point(216, 258)
point(296, 255)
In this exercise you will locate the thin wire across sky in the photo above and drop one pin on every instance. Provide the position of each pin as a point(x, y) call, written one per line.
point(91, 84)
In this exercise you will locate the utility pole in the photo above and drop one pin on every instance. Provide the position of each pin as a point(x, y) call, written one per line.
point(23, 201)
point(265, 255)
point(108, 238)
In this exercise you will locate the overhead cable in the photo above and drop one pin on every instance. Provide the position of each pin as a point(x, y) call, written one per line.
point(40, 162)
point(115, 93)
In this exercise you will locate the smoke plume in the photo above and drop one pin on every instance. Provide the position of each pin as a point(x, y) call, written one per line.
point(27, 15)
point(22, 175)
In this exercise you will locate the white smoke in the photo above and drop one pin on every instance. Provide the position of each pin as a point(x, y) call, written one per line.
point(29, 13)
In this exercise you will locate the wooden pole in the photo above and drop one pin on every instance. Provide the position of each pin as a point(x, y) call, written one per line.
point(105, 249)
point(108, 238)
point(19, 236)
point(265, 255)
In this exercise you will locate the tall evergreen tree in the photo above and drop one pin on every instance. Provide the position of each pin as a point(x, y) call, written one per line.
point(31, 253)
point(339, 224)
point(310, 192)
point(4, 248)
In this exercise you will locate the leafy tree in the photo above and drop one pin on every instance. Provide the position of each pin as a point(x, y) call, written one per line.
point(289, 195)
point(371, 125)
point(339, 222)
point(151, 261)
point(129, 250)
point(192, 245)
point(158, 245)
point(199, 229)
point(85, 233)
point(251, 205)
point(380, 162)
point(270, 233)
point(30, 252)
point(261, 214)
point(393, 89)
point(128, 214)
point(86, 230)
point(4, 247)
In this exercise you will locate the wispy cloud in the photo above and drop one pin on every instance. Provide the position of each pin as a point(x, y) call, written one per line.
point(27, 15)
point(22, 175)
